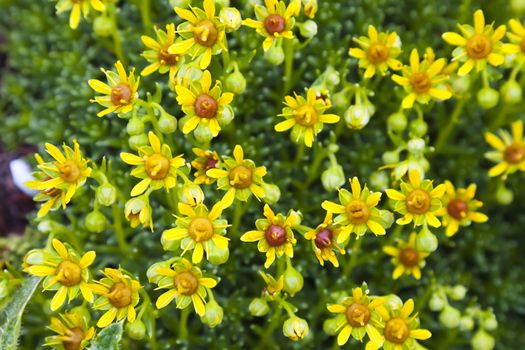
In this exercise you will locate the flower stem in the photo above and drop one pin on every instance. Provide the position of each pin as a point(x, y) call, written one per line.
point(237, 214)
point(145, 14)
point(354, 253)
point(183, 327)
point(117, 42)
point(288, 66)
point(452, 122)
point(119, 231)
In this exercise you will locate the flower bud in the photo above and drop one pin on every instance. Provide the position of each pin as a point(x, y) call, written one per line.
point(488, 97)
point(333, 177)
point(82, 311)
point(436, 302)
point(235, 82)
point(310, 8)
point(213, 314)
point(191, 194)
point(258, 307)
point(379, 180)
point(358, 116)
point(390, 157)
point(490, 323)
point(226, 116)
point(293, 280)
point(393, 301)
point(518, 5)
point(308, 29)
point(103, 26)
point(222, 3)
point(397, 122)
point(295, 328)
point(167, 123)
point(341, 99)
point(137, 141)
point(427, 241)
point(297, 215)
point(416, 146)
point(511, 92)
point(450, 317)
point(458, 292)
point(482, 341)
point(461, 85)
point(95, 222)
point(4, 289)
point(418, 127)
point(203, 134)
point(135, 126)
point(106, 194)
point(272, 193)
point(218, 256)
point(274, 55)
point(136, 330)
point(34, 257)
point(466, 324)
point(231, 18)
point(504, 195)
point(331, 326)
point(180, 3)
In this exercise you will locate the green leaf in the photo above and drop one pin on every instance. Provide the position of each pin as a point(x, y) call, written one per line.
point(11, 318)
point(108, 338)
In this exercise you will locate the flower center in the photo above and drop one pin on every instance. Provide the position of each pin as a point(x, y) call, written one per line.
point(324, 239)
point(167, 58)
point(420, 82)
point(377, 53)
point(205, 33)
point(274, 23)
point(185, 283)
point(211, 163)
point(200, 229)
point(478, 46)
point(358, 315)
point(275, 235)
point(74, 339)
point(69, 171)
point(205, 106)
point(396, 331)
point(121, 94)
point(418, 201)
point(68, 273)
point(357, 211)
point(408, 257)
point(457, 209)
point(120, 295)
point(522, 45)
point(306, 115)
point(157, 166)
point(240, 177)
point(514, 153)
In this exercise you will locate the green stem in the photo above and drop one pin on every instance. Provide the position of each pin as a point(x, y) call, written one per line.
point(452, 122)
point(356, 247)
point(183, 327)
point(237, 214)
point(119, 231)
point(288, 65)
point(145, 14)
point(269, 329)
point(299, 155)
point(117, 41)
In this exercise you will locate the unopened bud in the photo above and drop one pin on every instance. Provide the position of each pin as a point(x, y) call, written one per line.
point(231, 18)
point(135, 126)
point(397, 122)
point(308, 29)
point(482, 341)
point(272, 193)
point(274, 55)
point(450, 317)
point(106, 194)
point(488, 97)
point(458, 292)
point(95, 222)
point(295, 328)
point(235, 82)
point(293, 280)
point(427, 241)
point(213, 314)
point(418, 127)
point(136, 330)
point(167, 123)
point(258, 307)
point(511, 92)
point(137, 141)
point(333, 177)
point(103, 26)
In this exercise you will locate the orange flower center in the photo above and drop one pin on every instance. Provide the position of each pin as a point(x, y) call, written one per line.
point(418, 201)
point(157, 166)
point(357, 212)
point(408, 257)
point(324, 239)
point(457, 209)
point(74, 339)
point(275, 235)
point(396, 331)
point(420, 82)
point(306, 115)
point(274, 23)
point(358, 315)
point(205, 33)
point(478, 46)
point(522, 45)
point(200, 229)
point(377, 53)
point(120, 295)
point(121, 94)
point(167, 58)
point(68, 273)
point(186, 283)
point(514, 153)
point(69, 171)
point(206, 106)
point(240, 177)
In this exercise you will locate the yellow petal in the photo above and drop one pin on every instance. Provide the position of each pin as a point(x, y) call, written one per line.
point(59, 298)
point(285, 125)
point(207, 282)
point(131, 159)
point(498, 169)
point(99, 86)
point(141, 187)
point(238, 154)
point(165, 298)
point(343, 336)
point(495, 141)
point(154, 142)
point(252, 236)
point(454, 39)
point(198, 304)
point(420, 334)
point(60, 249)
point(479, 21)
point(87, 259)
point(107, 318)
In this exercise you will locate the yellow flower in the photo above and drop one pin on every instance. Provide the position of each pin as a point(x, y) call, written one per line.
point(274, 235)
point(423, 81)
point(477, 45)
point(185, 284)
point(399, 329)
point(407, 258)
point(155, 166)
point(459, 208)
point(57, 181)
point(205, 161)
point(510, 151)
point(517, 40)
point(119, 294)
point(305, 116)
point(120, 94)
point(418, 201)
point(159, 57)
point(65, 271)
point(138, 211)
point(357, 212)
point(378, 52)
point(274, 20)
point(310, 8)
point(273, 287)
point(198, 229)
point(72, 331)
point(203, 34)
point(78, 7)
point(240, 178)
point(324, 241)
point(204, 106)
point(356, 316)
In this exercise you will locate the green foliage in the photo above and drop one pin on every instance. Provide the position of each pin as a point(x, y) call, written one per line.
point(108, 338)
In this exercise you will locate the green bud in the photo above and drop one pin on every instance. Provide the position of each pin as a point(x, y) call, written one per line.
point(418, 127)
point(379, 180)
point(258, 307)
point(511, 92)
point(504, 195)
point(213, 314)
point(222, 3)
point(295, 328)
point(466, 323)
point(458, 292)
point(231, 18)
point(136, 330)
point(272, 193)
point(450, 317)
point(358, 116)
point(103, 26)
point(35, 257)
point(390, 157)
point(95, 221)
point(308, 29)
point(488, 97)
point(491, 323)
point(393, 302)
point(427, 241)
point(167, 123)
point(341, 99)
point(293, 280)
point(482, 341)
point(332, 326)
point(518, 5)
point(218, 256)
point(180, 3)
point(202, 134)
point(416, 146)
point(333, 177)
point(461, 85)
point(106, 194)
point(274, 55)
point(4, 289)
point(436, 302)
point(137, 141)
point(83, 312)
point(235, 82)
point(135, 126)
point(397, 122)
point(297, 214)
point(226, 116)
